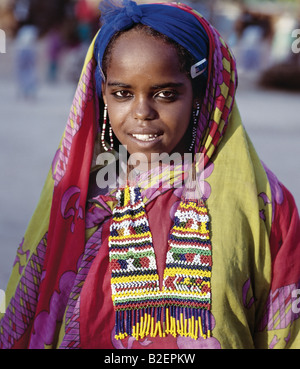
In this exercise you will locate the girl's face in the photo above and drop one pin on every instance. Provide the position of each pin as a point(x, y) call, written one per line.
point(149, 99)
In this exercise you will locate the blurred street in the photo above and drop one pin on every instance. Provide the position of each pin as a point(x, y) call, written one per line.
point(30, 133)
point(31, 130)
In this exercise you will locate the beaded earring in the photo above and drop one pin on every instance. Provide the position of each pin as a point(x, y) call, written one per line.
point(195, 124)
point(103, 143)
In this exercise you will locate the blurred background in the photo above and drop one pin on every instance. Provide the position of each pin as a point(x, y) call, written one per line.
point(41, 57)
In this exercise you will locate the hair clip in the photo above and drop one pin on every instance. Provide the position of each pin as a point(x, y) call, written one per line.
point(102, 73)
point(100, 68)
point(198, 68)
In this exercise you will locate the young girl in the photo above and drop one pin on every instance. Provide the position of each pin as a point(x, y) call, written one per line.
point(130, 248)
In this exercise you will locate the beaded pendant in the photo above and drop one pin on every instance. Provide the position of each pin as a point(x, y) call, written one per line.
point(182, 306)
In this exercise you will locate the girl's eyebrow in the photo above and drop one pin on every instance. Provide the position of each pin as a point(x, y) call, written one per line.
point(155, 87)
point(118, 84)
point(168, 84)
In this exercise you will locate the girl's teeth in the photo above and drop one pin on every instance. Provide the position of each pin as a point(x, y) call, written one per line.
point(145, 137)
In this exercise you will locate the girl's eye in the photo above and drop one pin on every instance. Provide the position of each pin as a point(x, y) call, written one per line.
point(123, 94)
point(167, 95)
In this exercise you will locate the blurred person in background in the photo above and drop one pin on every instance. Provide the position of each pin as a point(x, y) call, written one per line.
point(255, 32)
point(85, 16)
point(86, 19)
point(54, 50)
point(26, 61)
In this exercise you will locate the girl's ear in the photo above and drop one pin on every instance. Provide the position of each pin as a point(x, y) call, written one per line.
point(103, 89)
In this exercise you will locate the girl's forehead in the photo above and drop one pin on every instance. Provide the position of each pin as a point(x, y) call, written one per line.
point(136, 49)
point(135, 40)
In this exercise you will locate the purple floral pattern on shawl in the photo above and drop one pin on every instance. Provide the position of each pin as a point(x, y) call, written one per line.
point(277, 192)
point(45, 321)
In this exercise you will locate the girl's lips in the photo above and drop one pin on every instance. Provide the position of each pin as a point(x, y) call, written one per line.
point(146, 138)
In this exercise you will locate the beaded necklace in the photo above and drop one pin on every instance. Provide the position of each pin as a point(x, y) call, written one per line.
point(182, 306)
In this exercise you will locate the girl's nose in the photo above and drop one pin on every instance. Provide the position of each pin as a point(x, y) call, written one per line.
point(144, 110)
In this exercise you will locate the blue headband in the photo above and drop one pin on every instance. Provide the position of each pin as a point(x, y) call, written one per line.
point(177, 24)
